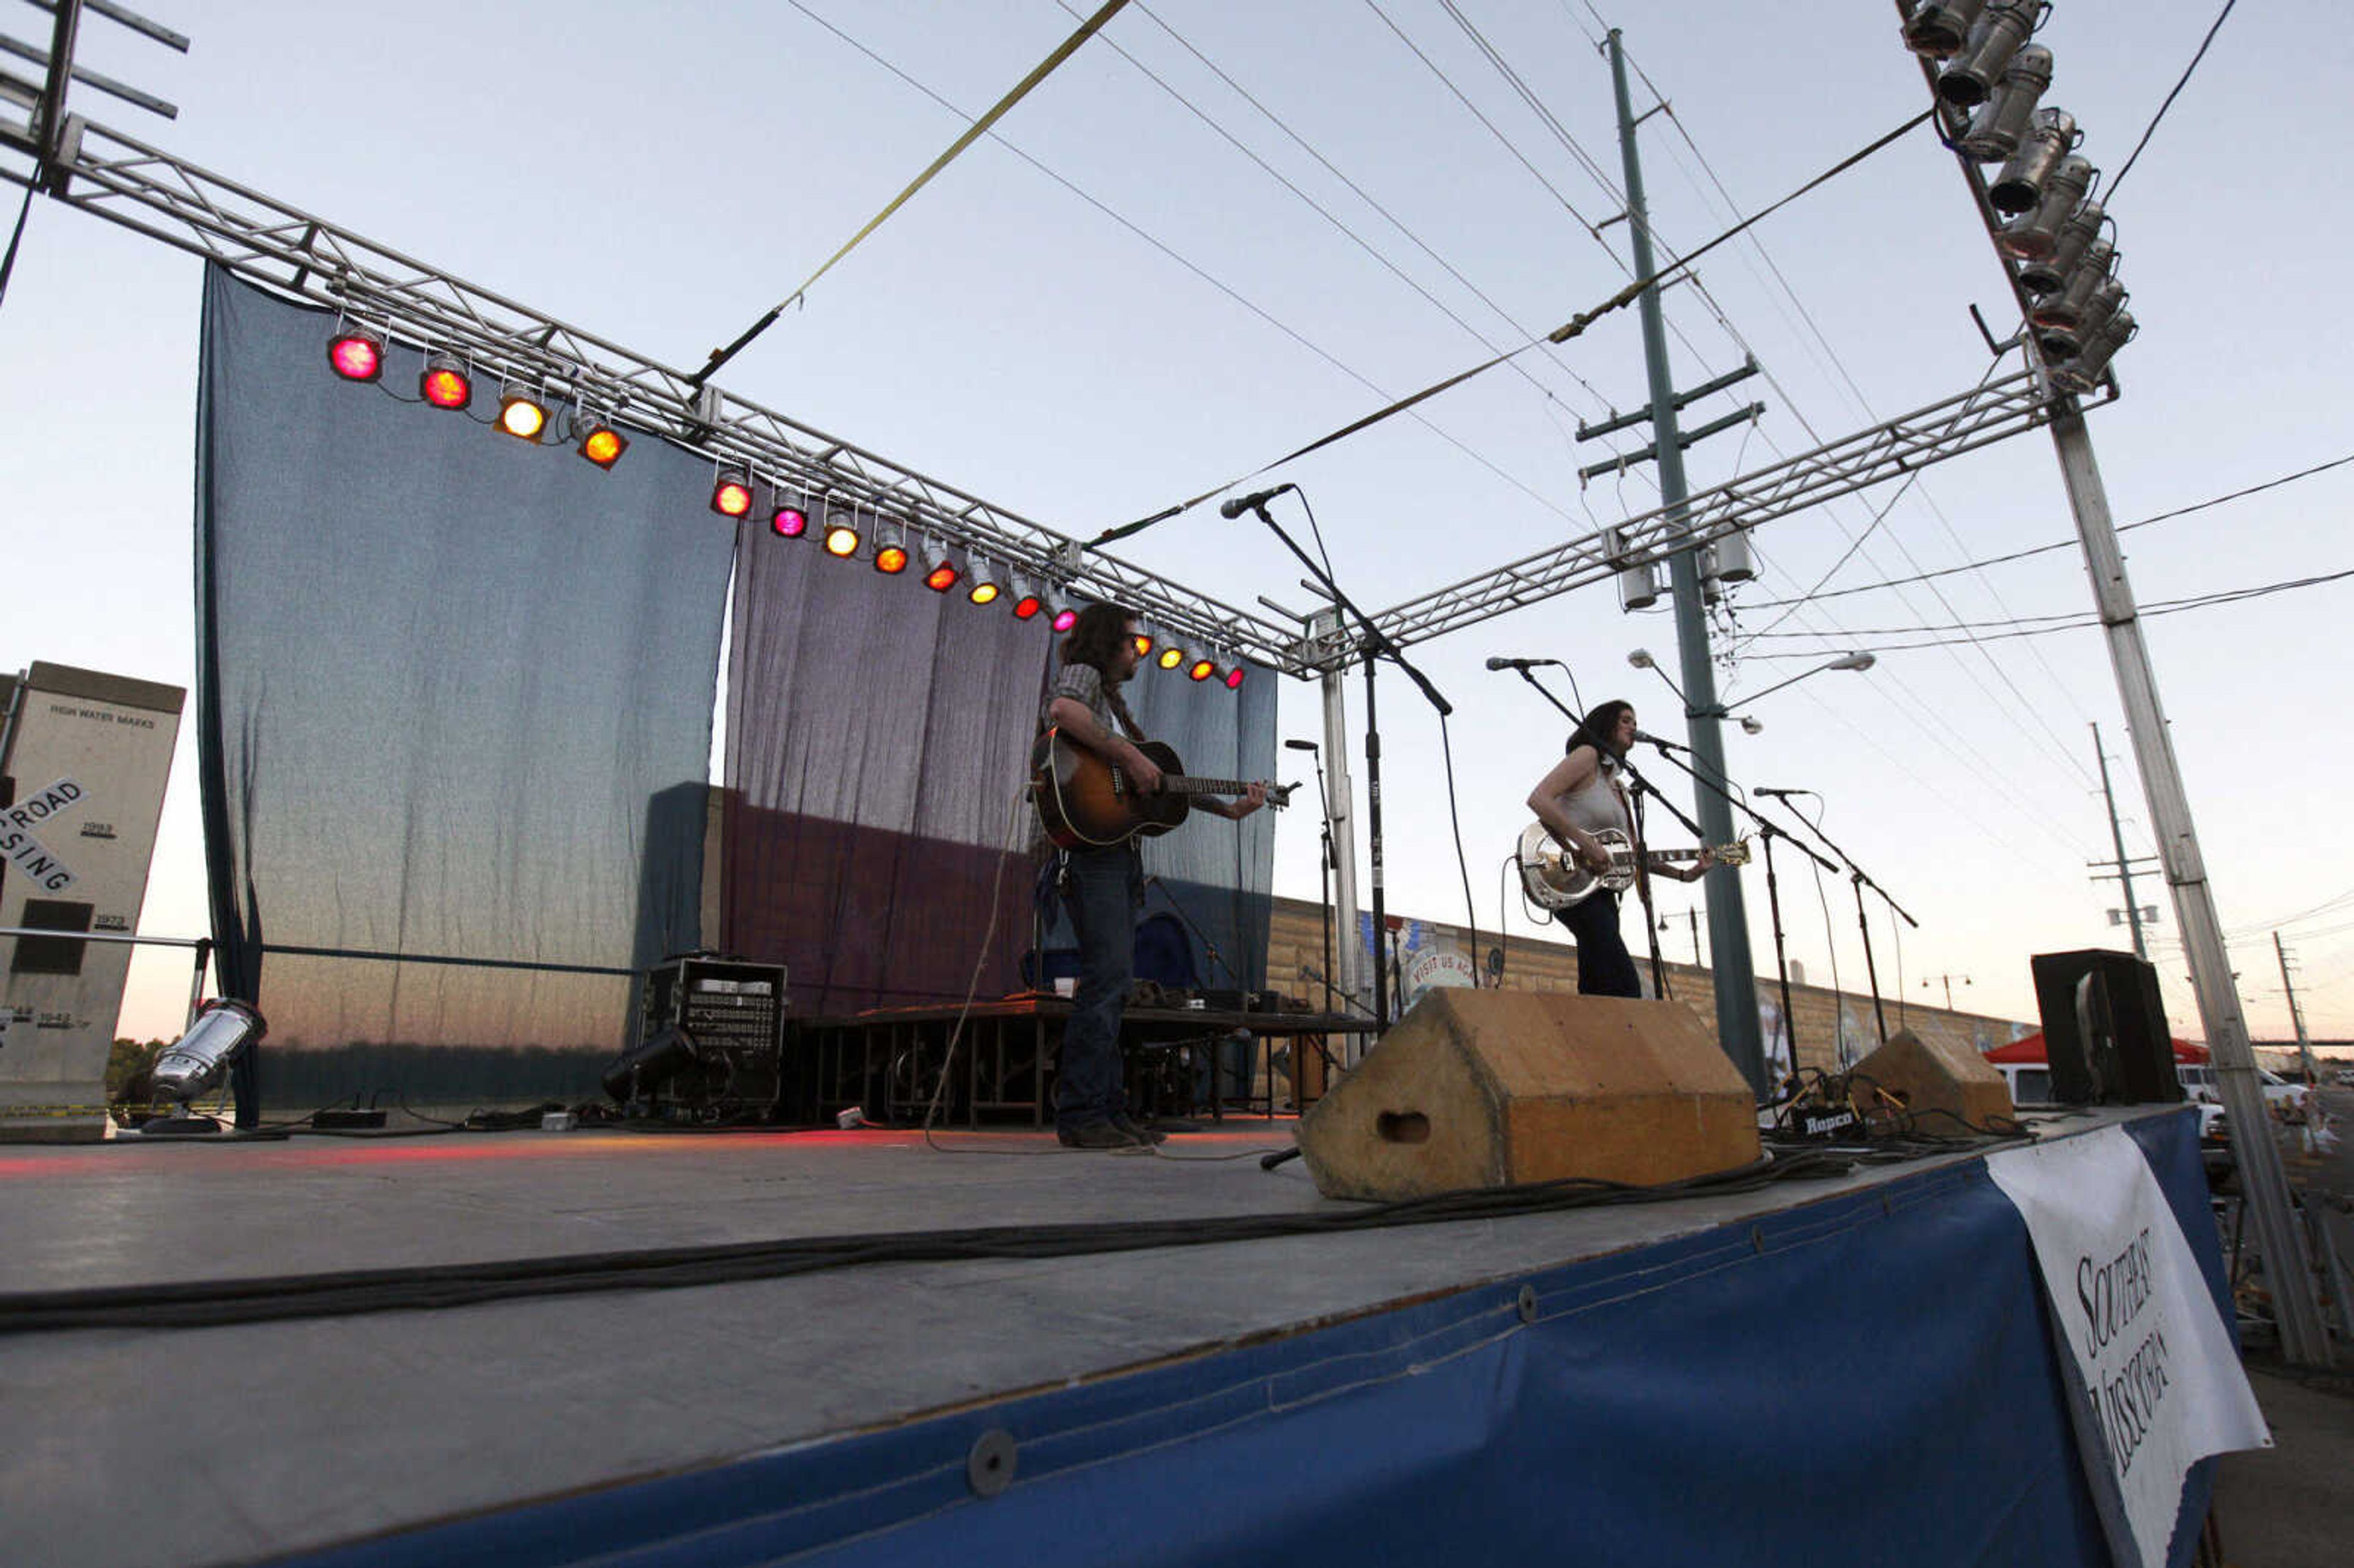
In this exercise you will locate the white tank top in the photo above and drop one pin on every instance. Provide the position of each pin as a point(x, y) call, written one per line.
point(1599, 805)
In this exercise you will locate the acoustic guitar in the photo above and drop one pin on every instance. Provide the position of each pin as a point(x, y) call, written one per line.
point(1553, 879)
point(1085, 802)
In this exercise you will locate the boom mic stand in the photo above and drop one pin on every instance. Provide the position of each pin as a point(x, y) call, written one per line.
point(1377, 647)
point(1325, 868)
point(1209, 948)
point(1856, 875)
point(1769, 833)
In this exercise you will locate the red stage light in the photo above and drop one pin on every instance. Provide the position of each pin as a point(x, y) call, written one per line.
point(356, 354)
point(732, 496)
point(891, 559)
point(940, 579)
point(444, 383)
point(1235, 678)
point(1028, 605)
point(1065, 618)
point(789, 522)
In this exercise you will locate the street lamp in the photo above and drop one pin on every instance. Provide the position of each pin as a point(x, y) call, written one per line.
point(1857, 661)
point(1641, 659)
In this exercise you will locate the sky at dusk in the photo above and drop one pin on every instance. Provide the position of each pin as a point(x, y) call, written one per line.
point(1220, 231)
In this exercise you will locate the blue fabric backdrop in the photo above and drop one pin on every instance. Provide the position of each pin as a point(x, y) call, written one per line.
point(454, 694)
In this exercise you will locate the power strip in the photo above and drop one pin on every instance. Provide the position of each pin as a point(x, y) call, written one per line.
point(347, 1119)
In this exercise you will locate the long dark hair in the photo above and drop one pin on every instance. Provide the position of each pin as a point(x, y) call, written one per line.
point(1094, 638)
point(1596, 729)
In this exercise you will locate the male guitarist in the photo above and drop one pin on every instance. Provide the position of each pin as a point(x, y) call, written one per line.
point(1579, 797)
point(1104, 886)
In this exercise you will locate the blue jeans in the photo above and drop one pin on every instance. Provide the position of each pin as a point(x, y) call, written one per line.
point(1604, 967)
point(1102, 891)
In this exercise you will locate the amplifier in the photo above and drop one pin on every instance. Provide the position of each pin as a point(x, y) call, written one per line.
point(735, 1014)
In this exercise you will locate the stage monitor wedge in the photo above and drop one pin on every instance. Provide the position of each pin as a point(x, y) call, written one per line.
point(1948, 1087)
point(1489, 1088)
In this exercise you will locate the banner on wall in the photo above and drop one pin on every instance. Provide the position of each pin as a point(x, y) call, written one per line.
point(2162, 1386)
point(1419, 956)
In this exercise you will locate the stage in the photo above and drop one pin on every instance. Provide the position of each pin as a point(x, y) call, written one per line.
point(1852, 1368)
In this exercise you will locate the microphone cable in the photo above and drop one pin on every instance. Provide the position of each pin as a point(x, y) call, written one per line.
point(1462, 865)
point(1447, 751)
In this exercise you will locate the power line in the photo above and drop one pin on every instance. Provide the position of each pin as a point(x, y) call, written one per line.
point(2169, 98)
point(2064, 544)
point(2076, 620)
point(1328, 216)
point(1393, 220)
point(973, 133)
point(1231, 292)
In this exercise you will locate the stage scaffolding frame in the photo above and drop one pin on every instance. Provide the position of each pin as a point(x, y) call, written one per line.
point(124, 181)
point(127, 181)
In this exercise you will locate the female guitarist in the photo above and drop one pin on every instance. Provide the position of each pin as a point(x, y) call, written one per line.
point(1103, 885)
point(1582, 797)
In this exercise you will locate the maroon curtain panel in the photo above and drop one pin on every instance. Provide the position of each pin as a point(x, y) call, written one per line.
point(878, 738)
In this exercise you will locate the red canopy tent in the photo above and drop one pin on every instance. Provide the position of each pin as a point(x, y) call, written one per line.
point(2030, 1048)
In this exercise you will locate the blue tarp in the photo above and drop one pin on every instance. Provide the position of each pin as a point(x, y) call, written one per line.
point(1862, 1379)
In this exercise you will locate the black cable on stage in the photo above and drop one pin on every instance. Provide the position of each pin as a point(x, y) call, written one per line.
point(214, 1303)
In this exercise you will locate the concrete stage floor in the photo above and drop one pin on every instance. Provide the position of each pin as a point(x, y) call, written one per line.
point(121, 1448)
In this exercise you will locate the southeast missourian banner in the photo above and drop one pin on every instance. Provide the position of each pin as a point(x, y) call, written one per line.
point(2162, 1385)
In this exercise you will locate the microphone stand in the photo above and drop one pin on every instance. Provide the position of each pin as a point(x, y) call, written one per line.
point(1856, 875)
point(1377, 647)
point(1643, 896)
point(1209, 948)
point(1324, 868)
point(1769, 833)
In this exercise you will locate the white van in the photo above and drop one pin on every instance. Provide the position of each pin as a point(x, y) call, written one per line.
point(2199, 1081)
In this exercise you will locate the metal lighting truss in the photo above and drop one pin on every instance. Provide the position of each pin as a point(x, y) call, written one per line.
point(1990, 412)
point(126, 182)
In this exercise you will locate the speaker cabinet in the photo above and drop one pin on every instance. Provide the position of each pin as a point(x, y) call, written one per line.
point(1929, 1078)
point(1495, 1088)
point(2105, 1029)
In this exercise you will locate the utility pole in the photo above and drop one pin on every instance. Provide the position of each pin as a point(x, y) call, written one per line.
point(1728, 920)
point(2304, 1338)
point(2124, 862)
point(2297, 1016)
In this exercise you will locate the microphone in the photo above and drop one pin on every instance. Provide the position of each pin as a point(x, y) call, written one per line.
point(1298, 746)
point(1779, 794)
point(1655, 740)
point(1519, 663)
point(1251, 503)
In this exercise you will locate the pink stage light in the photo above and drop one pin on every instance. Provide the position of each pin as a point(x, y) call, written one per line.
point(356, 354)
